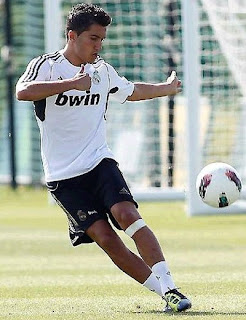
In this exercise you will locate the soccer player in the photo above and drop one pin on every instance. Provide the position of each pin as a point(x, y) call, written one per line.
point(70, 90)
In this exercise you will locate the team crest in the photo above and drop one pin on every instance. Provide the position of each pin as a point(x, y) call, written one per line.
point(95, 77)
point(82, 215)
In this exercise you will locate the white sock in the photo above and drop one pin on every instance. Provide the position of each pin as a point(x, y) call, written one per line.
point(163, 274)
point(153, 284)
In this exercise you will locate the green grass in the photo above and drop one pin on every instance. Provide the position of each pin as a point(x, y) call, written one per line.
point(43, 277)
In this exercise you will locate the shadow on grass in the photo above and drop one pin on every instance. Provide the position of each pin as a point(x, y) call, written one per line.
point(191, 313)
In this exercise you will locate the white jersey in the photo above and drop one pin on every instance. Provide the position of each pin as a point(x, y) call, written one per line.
point(72, 123)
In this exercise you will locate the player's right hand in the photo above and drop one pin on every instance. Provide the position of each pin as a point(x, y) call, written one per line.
point(82, 80)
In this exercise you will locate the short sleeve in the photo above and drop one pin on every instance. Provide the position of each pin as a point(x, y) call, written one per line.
point(120, 87)
point(38, 69)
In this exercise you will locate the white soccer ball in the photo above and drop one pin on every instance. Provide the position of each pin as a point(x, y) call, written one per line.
point(218, 185)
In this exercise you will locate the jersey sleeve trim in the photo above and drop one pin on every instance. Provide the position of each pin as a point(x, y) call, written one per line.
point(35, 65)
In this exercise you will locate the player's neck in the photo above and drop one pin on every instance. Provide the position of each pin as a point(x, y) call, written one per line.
point(71, 57)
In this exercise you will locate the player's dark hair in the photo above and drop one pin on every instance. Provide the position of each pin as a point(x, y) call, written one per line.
point(83, 15)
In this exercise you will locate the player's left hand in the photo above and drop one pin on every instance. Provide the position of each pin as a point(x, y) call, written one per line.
point(174, 84)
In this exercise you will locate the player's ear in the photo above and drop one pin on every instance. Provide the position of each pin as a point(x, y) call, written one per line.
point(72, 35)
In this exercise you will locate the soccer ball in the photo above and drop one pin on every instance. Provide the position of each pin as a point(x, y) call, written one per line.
point(218, 185)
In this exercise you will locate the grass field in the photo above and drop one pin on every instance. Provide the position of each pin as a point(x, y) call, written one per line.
point(43, 277)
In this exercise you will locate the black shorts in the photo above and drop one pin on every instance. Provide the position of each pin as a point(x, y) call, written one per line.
point(89, 197)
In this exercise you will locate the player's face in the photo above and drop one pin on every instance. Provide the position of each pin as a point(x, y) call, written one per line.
point(89, 43)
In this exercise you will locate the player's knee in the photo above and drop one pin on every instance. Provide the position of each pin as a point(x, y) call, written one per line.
point(125, 214)
point(107, 241)
point(102, 233)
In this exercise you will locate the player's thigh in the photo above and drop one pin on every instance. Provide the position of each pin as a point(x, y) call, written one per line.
point(78, 204)
point(112, 187)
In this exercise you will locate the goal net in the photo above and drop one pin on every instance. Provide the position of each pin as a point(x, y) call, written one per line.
point(220, 62)
point(160, 144)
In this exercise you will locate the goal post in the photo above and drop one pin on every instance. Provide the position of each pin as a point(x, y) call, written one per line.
point(52, 25)
point(192, 78)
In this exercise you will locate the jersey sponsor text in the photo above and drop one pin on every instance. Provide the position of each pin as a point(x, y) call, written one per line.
point(85, 100)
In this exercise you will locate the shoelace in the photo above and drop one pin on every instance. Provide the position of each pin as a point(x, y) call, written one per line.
point(174, 292)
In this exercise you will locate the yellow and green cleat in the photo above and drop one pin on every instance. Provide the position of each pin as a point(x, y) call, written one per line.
point(176, 301)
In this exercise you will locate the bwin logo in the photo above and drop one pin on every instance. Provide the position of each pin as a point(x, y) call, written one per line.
point(88, 99)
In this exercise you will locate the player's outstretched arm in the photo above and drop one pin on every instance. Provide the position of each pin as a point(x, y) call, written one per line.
point(144, 91)
point(38, 90)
